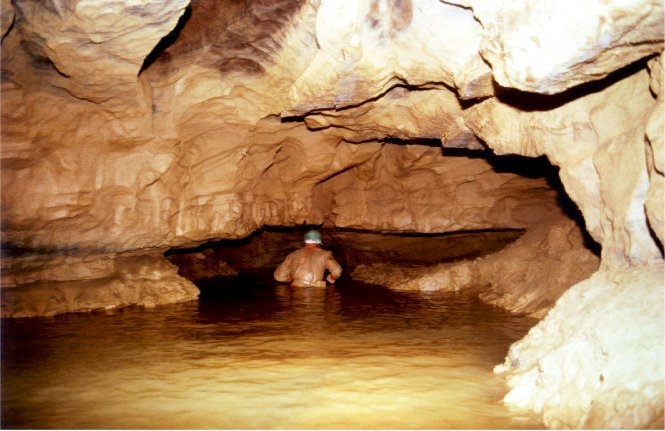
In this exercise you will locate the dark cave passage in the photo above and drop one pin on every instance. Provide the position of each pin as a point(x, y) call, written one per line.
point(257, 256)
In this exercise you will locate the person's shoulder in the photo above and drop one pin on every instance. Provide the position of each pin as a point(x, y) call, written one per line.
point(295, 252)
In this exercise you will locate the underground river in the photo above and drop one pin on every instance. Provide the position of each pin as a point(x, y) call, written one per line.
point(259, 355)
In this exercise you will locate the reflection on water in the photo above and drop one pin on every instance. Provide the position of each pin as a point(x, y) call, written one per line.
point(262, 356)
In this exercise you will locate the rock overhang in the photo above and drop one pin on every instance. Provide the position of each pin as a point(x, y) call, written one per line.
point(285, 113)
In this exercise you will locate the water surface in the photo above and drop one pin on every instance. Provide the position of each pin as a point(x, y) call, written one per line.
point(258, 355)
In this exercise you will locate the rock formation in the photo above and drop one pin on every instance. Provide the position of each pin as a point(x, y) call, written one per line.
point(44, 285)
point(131, 127)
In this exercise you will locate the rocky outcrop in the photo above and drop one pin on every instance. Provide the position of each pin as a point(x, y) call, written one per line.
point(132, 128)
point(596, 360)
point(583, 42)
point(551, 255)
point(609, 172)
point(48, 284)
point(605, 174)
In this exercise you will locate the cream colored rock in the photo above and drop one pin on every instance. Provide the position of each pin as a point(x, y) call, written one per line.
point(605, 171)
point(548, 47)
point(596, 360)
point(366, 47)
point(655, 153)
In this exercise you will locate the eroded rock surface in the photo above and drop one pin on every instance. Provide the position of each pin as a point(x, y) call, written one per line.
point(550, 255)
point(606, 165)
point(129, 128)
point(579, 367)
point(573, 42)
point(44, 285)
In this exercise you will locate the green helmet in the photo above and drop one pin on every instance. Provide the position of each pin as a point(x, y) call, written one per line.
point(313, 237)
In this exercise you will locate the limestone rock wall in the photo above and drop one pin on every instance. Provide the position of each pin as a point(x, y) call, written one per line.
point(415, 188)
point(593, 362)
point(606, 173)
point(45, 285)
point(134, 127)
point(196, 150)
point(584, 41)
point(551, 255)
point(610, 172)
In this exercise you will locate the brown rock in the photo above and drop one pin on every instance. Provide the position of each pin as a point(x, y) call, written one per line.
point(45, 285)
point(605, 171)
point(118, 144)
point(94, 50)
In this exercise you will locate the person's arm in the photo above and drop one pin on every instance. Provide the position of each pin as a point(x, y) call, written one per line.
point(283, 271)
point(333, 267)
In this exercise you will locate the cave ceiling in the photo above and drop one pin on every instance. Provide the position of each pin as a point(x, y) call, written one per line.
point(131, 127)
point(163, 123)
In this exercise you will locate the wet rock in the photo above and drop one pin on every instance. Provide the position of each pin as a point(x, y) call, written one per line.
point(130, 127)
point(45, 285)
point(579, 367)
point(550, 255)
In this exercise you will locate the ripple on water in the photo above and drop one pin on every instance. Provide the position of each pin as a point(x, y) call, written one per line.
point(352, 356)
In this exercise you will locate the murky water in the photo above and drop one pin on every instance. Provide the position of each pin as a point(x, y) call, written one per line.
point(263, 356)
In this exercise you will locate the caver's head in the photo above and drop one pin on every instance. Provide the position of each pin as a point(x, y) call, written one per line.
point(313, 237)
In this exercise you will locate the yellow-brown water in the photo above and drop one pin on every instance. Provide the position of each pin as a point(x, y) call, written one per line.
point(265, 356)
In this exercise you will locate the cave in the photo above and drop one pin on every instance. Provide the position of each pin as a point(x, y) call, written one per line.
point(499, 164)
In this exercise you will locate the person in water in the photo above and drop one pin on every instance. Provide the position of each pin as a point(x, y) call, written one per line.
point(307, 266)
